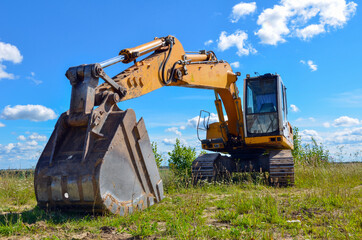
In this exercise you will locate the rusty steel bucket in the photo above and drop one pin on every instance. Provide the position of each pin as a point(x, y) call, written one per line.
point(98, 159)
point(116, 173)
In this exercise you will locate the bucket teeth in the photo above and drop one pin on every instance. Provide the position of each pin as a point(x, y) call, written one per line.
point(118, 175)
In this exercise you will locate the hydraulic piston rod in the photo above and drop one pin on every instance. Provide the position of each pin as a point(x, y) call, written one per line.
point(112, 61)
point(129, 54)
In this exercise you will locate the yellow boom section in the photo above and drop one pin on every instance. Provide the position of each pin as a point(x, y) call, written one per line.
point(169, 61)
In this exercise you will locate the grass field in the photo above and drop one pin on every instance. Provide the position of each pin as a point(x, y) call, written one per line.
point(324, 204)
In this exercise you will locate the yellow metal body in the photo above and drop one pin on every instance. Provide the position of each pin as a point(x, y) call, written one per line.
point(217, 130)
point(278, 141)
point(195, 71)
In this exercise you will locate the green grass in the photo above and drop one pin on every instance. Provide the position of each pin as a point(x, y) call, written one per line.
point(16, 190)
point(324, 204)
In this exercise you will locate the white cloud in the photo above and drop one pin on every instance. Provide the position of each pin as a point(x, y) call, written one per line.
point(237, 39)
point(37, 137)
point(23, 153)
point(273, 23)
point(312, 66)
point(34, 113)
point(346, 121)
point(9, 53)
point(169, 141)
point(326, 124)
point(349, 139)
point(343, 144)
point(34, 136)
point(293, 18)
point(2, 125)
point(174, 130)
point(192, 123)
point(32, 143)
point(182, 127)
point(8, 147)
point(308, 134)
point(4, 74)
point(33, 79)
point(347, 136)
point(208, 42)
point(242, 9)
point(235, 64)
point(172, 141)
point(310, 31)
point(311, 122)
point(294, 108)
point(26, 153)
point(21, 138)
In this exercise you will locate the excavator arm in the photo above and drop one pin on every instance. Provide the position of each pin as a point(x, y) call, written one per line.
point(169, 65)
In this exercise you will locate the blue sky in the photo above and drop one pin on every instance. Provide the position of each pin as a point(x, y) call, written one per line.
point(314, 45)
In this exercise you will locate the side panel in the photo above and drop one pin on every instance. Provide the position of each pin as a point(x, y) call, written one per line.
point(277, 142)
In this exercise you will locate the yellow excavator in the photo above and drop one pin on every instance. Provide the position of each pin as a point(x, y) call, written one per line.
point(99, 157)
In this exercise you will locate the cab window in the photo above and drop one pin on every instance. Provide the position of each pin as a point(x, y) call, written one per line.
point(261, 107)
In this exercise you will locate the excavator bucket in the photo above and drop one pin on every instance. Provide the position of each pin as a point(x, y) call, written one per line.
point(97, 160)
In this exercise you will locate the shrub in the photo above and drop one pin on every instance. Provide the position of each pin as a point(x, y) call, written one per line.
point(297, 142)
point(158, 156)
point(312, 153)
point(181, 158)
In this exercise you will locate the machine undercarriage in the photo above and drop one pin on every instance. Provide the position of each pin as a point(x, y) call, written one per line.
point(215, 166)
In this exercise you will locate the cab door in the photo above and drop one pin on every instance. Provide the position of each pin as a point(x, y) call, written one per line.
point(285, 129)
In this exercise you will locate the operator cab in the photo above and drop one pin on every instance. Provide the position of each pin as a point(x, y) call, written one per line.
point(265, 111)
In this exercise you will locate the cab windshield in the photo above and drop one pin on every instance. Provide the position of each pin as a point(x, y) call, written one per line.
point(261, 107)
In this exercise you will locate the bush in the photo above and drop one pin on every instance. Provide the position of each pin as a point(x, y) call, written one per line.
point(312, 153)
point(158, 156)
point(297, 142)
point(180, 161)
